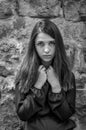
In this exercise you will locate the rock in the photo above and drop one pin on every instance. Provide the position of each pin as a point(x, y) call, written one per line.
point(82, 10)
point(75, 10)
point(4, 72)
point(70, 9)
point(39, 9)
point(5, 10)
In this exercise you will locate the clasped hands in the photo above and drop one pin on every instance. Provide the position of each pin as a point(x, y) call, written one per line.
point(50, 76)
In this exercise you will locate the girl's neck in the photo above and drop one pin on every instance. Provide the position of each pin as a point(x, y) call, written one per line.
point(46, 64)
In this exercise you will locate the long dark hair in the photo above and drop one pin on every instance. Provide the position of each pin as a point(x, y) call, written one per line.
point(27, 74)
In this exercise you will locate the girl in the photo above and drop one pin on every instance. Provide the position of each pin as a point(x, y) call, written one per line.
point(45, 85)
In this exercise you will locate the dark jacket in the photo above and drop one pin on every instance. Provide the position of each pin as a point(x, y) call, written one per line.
point(45, 110)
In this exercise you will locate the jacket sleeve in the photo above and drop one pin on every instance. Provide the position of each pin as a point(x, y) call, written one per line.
point(63, 104)
point(29, 105)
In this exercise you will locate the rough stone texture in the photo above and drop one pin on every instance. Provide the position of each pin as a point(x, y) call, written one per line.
point(46, 8)
point(75, 10)
point(6, 8)
point(15, 29)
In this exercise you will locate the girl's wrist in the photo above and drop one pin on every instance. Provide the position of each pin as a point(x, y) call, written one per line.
point(38, 86)
point(56, 88)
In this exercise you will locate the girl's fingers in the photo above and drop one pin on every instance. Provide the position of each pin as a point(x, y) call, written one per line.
point(44, 69)
point(41, 67)
point(49, 69)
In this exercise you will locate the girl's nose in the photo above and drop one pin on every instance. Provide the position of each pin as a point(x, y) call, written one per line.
point(46, 49)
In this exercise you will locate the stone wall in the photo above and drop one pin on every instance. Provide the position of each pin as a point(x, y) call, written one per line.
point(17, 19)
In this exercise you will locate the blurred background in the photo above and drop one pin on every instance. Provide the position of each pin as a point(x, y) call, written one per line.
point(17, 19)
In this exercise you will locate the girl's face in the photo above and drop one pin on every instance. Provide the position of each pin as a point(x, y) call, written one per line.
point(45, 47)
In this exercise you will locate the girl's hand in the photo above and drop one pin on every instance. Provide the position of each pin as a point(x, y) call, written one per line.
point(53, 80)
point(42, 77)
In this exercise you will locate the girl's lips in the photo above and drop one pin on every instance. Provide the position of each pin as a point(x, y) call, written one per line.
point(47, 56)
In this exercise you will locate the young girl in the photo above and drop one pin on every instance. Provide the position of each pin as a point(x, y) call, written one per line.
point(45, 85)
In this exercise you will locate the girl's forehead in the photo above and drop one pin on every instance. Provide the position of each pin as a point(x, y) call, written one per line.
point(44, 37)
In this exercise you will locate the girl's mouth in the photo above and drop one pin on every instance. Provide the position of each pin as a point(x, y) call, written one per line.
point(47, 57)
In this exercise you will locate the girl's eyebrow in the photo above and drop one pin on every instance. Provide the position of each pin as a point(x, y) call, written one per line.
point(45, 40)
point(39, 41)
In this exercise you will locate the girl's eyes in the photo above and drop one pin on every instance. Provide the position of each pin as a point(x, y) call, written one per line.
point(41, 43)
point(52, 43)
